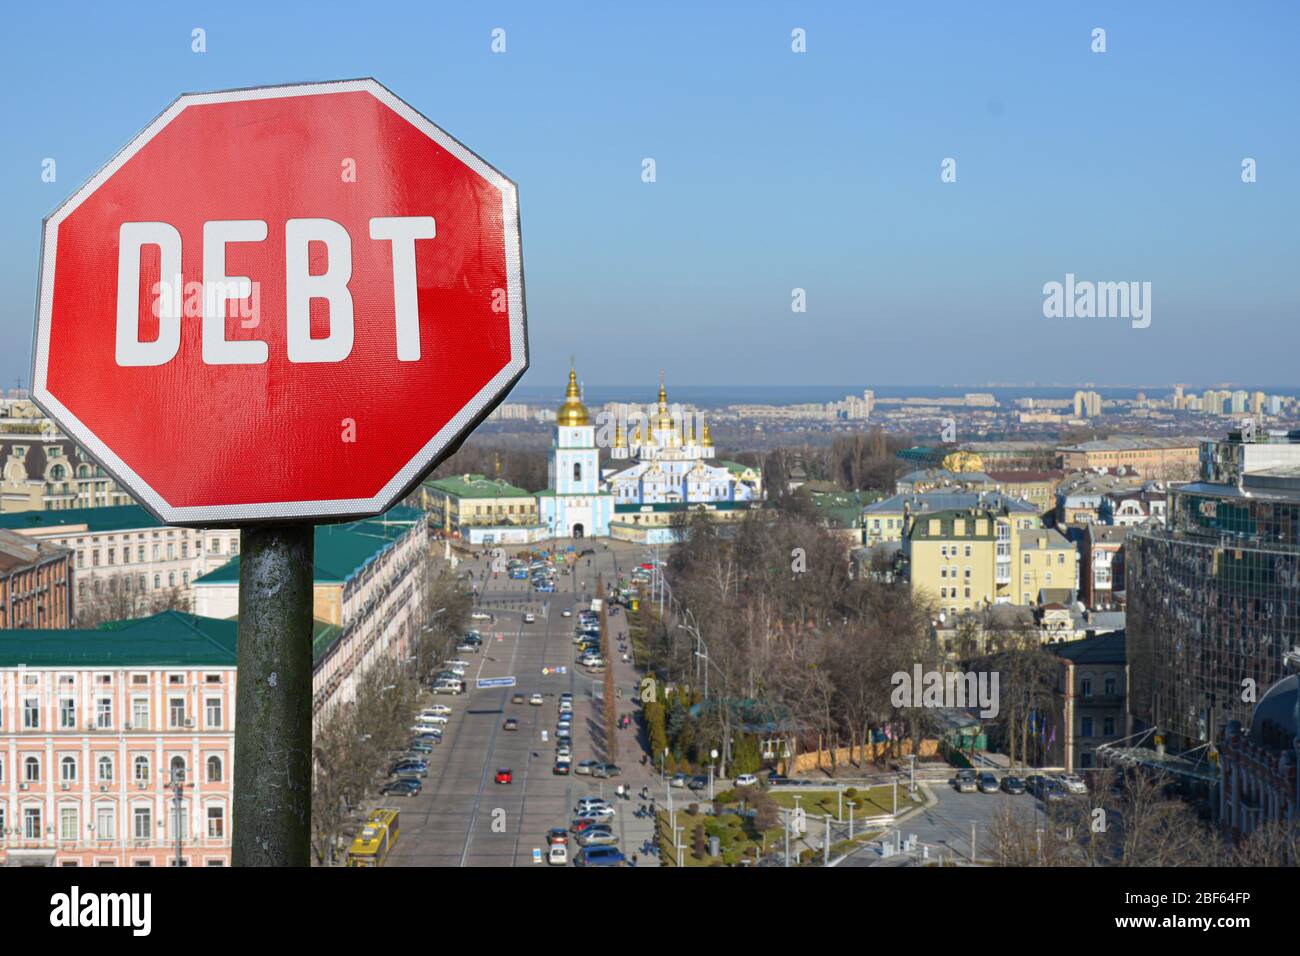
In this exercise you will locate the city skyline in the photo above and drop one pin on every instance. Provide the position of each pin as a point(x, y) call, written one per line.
point(818, 171)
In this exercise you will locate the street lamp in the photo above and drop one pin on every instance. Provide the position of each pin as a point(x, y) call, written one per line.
point(178, 787)
point(713, 756)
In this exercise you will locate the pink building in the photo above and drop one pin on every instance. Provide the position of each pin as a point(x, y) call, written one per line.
point(95, 725)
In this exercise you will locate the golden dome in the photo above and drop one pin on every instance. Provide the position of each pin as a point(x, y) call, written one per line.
point(619, 440)
point(572, 412)
point(707, 440)
point(664, 420)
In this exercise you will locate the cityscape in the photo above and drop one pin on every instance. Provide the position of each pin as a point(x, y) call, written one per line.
point(883, 476)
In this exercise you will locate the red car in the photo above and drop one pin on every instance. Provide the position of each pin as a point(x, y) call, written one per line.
point(504, 775)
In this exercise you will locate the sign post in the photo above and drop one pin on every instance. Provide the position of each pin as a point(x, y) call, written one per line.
point(275, 307)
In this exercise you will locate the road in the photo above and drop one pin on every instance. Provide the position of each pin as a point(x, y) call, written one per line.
point(464, 818)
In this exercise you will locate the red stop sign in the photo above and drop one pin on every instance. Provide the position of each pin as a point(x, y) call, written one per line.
point(280, 303)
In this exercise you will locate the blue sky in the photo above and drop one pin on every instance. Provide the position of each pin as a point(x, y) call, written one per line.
point(776, 171)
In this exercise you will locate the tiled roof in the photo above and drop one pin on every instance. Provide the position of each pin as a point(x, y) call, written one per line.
point(477, 486)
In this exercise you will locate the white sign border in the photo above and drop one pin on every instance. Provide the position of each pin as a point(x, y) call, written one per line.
point(269, 512)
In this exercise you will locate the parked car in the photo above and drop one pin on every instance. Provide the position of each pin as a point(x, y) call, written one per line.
point(596, 836)
point(557, 854)
point(598, 856)
point(606, 770)
point(518, 699)
point(561, 768)
point(536, 700)
point(988, 783)
point(478, 614)
point(1073, 783)
point(746, 780)
point(462, 647)
point(965, 782)
point(419, 746)
point(1013, 785)
point(556, 835)
point(699, 782)
point(1051, 791)
point(584, 766)
point(436, 710)
point(530, 618)
point(567, 612)
point(599, 814)
point(505, 775)
point(1034, 783)
point(590, 803)
point(678, 780)
point(401, 788)
point(411, 767)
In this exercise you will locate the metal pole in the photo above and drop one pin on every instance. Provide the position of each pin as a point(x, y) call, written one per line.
point(895, 794)
point(972, 841)
point(786, 859)
point(826, 844)
point(272, 789)
point(179, 821)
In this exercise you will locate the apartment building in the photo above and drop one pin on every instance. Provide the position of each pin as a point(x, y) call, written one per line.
point(125, 560)
point(97, 728)
point(1163, 458)
point(43, 470)
point(35, 583)
point(1090, 700)
point(368, 597)
point(457, 504)
point(967, 559)
point(889, 520)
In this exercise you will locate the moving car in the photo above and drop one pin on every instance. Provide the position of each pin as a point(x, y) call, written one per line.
point(505, 775)
point(698, 782)
point(536, 700)
point(598, 856)
point(567, 612)
point(517, 698)
point(510, 724)
point(1013, 785)
point(530, 618)
point(988, 783)
point(557, 854)
point(746, 780)
point(678, 780)
point(480, 615)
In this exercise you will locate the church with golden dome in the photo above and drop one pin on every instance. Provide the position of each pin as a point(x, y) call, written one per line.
point(575, 504)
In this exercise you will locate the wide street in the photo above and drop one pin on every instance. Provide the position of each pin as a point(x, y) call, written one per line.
point(463, 817)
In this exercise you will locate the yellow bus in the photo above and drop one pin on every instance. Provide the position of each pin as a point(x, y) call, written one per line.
point(376, 839)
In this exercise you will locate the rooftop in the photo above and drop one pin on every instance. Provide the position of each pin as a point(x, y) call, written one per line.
point(111, 518)
point(932, 501)
point(1102, 649)
point(341, 550)
point(167, 639)
point(477, 486)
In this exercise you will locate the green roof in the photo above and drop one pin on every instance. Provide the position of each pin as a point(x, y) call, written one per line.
point(111, 518)
point(342, 550)
point(477, 486)
point(657, 506)
point(839, 509)
point(737, 468)
point(167, 639)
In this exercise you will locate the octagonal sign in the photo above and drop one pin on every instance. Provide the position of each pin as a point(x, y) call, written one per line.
point(282, 303)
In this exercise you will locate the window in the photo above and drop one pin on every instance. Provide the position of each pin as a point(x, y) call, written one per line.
point(105, 823)
point(177, 770)
point(176, 712)
point(1108, 726)
point(140, 713)
point(577, 471)
point(171, 579)
point(157, 579)
point(68, 770)
point(104, 769)
point(32, 823)
point(68, 713)
point(141, 772)
point(68, 823)
point(213, 710)
point(1085, 727)
point(143, 823)
point(1110, 685)
point(216, 823)
point(104, 713)
point(214, 769)
point(1085, 685)
point(32, 769)
point(31, 713)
